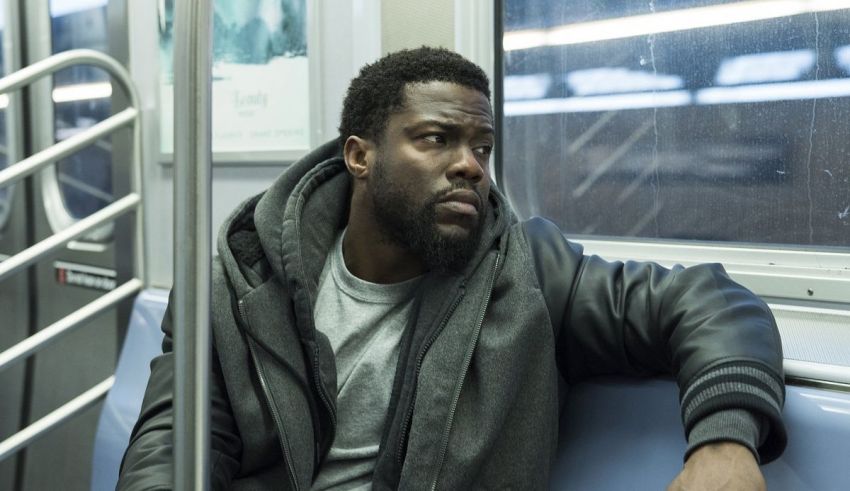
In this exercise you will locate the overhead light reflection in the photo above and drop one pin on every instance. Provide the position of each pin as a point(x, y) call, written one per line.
point(842, 58)
point(73, 93)
point(59, 8)
point(791, 91)
point(816, 89)
point(833, 409)
point(779, 66)
point(595, 81)
point(641, 100)
point(532, 86)
point(669, 21)
point(830, 404)
point(82, 92)
point(825, 397)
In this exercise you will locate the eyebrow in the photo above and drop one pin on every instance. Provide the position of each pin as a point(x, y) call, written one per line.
point(446, 126)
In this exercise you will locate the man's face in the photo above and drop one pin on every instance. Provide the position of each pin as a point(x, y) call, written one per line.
point(430, 183)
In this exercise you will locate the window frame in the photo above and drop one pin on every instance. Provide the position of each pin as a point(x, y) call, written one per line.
point(43, 109)
point(11, 113)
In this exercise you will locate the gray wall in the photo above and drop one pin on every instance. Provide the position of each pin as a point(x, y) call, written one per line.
point(403, 21)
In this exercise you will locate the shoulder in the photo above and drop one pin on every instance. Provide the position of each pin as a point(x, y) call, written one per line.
point(548, 248)
point(550, 259)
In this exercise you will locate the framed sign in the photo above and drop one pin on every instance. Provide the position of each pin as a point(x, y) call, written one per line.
point(261, 80)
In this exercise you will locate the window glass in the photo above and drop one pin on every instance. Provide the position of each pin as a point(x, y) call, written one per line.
point(684, 120)
point(81, 96)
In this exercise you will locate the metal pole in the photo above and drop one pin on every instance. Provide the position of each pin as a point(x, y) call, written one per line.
point(499, 90)
point(192, 241)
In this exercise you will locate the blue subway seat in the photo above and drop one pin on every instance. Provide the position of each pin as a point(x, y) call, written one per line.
point(616, 433)
point(122, 405)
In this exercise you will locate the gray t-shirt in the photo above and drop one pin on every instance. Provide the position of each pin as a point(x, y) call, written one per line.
point(364, 322)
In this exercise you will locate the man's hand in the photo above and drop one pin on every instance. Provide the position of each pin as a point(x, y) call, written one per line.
point(720, 466)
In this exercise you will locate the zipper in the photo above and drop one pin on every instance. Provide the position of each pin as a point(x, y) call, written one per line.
point(271, 407)
point(405, 425)
point(466, 362)
point(321, 388)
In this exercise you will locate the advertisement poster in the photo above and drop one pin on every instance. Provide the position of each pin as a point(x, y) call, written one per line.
point(260, 72)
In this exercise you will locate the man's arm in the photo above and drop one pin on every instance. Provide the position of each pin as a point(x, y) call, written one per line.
point(148, 461)
point(716, 337)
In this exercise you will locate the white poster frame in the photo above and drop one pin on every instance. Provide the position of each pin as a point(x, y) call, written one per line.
point(250, 155)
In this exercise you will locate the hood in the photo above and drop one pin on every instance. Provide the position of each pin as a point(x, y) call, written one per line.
point(289, 229)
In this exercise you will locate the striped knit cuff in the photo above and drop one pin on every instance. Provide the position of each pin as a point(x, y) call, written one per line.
point(736, 425)
point(739, 386)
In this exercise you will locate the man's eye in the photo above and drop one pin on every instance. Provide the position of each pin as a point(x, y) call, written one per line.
point(434, 139)
point(484, 150)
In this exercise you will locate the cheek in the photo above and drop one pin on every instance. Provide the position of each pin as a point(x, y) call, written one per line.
point(418, 178)
point(413, 187)
point(424, 179)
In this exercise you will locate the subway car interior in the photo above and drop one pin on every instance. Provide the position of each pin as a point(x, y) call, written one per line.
point(673, 131)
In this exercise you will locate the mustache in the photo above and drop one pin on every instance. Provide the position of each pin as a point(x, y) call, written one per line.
point(458, 185)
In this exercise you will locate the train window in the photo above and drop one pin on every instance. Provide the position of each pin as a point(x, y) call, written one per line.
point(82, 98)
point(681, 120)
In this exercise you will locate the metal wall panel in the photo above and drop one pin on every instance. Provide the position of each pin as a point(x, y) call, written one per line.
point(87, 356)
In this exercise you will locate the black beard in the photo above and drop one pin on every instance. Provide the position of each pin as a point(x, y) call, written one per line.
point(416, 230)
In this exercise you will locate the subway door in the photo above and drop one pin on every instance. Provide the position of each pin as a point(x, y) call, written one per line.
point(14, 305)
point(76, 98)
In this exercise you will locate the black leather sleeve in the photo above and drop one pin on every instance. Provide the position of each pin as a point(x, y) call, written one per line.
point(717, 338)
point(148, 461)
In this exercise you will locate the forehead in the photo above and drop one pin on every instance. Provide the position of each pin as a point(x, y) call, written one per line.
point(444, 101)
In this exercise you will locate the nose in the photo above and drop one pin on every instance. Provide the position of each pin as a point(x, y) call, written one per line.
point(467, 166)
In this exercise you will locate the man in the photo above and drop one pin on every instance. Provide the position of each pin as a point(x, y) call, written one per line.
point(381, 318)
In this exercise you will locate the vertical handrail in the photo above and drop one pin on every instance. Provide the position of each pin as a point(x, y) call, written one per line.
point(192, 241)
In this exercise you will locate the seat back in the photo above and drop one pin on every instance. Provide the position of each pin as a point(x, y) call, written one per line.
point(627, 434)
point(122, 405)
point(616, 433)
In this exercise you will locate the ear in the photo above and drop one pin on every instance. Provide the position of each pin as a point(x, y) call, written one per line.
point(359, 155)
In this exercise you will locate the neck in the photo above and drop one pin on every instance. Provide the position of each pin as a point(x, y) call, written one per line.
point(371, 256)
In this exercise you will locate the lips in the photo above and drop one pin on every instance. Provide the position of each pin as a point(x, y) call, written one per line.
point(462, 201)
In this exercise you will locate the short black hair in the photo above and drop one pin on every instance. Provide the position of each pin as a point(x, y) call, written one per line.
point(378, 90)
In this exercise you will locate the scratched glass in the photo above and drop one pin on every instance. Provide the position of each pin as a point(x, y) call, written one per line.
point(680, 120)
